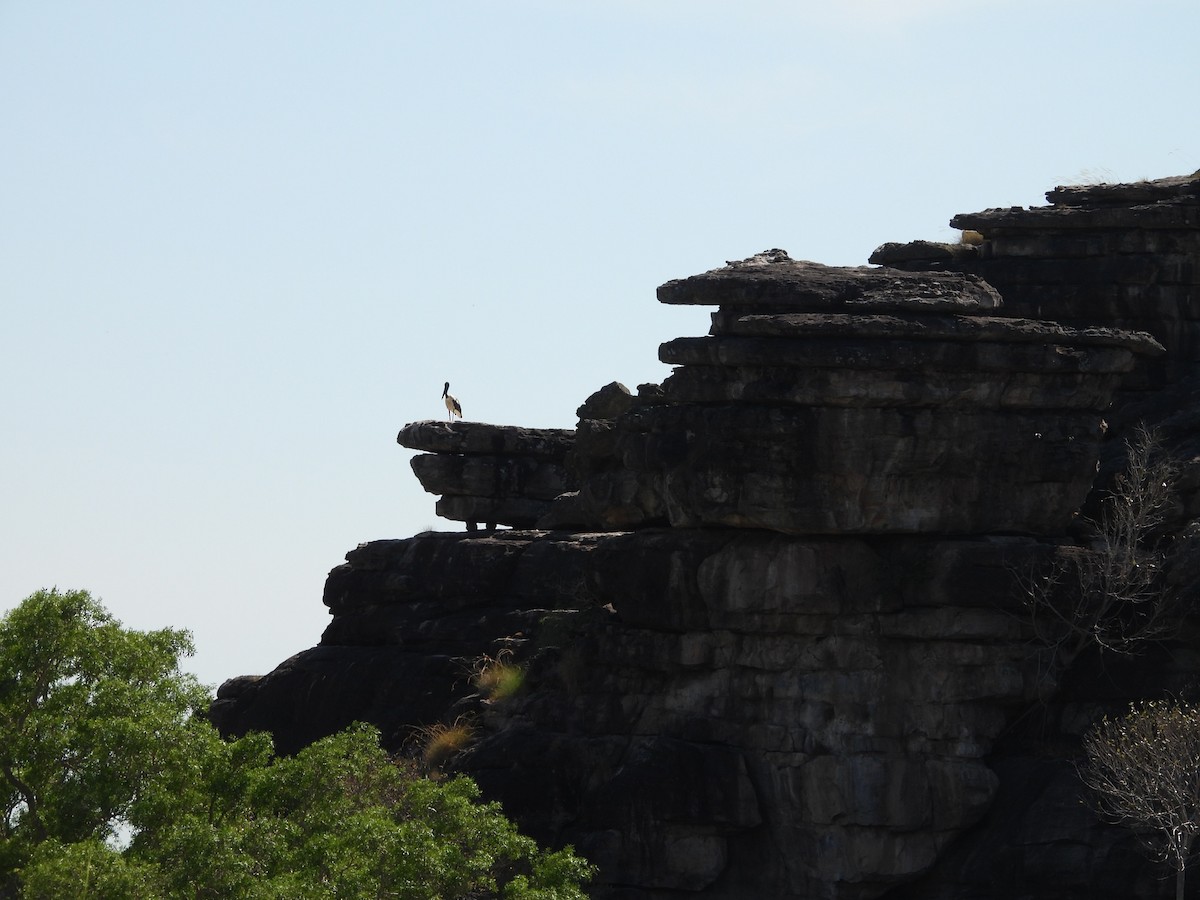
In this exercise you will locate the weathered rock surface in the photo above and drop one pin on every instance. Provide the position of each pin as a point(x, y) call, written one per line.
point(775, 645)
point(497, 474)
point(754, 713)
point(772, 280)
point(1123, 256)
point(906, 415)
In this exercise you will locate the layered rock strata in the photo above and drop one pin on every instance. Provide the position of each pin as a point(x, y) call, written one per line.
point(1122, 256)
point(797, 700)
point(495, 474)
point(839, 401)
point(732, 712)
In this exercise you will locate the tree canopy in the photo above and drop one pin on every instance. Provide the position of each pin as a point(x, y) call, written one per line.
point(114, 786)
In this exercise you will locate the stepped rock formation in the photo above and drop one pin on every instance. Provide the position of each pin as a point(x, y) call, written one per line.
point(771, 612)
point(489, 473)
point(841, 401)
point(1124, 256)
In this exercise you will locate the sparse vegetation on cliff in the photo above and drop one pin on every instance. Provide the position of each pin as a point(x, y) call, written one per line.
point(498, 677)
point(1112, 593)
point(440, 743)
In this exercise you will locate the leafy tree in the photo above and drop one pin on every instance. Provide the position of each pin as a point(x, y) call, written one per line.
point(114, 787)
point(87, 868)
point(1144, 768)
point(86, 710)
point(339, 819)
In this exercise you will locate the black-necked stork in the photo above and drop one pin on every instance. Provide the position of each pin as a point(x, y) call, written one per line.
point(453, 407)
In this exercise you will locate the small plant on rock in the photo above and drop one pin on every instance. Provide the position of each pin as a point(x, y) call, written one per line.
point(440, 743)
point(499, 677)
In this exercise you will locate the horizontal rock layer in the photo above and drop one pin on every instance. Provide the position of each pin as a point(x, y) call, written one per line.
point(929, 355)
point(701, 707)
point(493, 477)
point(835, 422)
point(839, 470)
point(772, 280)
point(1121, 256)
point(496, 474)
point(964, 329)
point(779, 386)
point(481, 438)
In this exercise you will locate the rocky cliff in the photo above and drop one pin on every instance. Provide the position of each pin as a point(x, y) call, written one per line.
point(770, 613)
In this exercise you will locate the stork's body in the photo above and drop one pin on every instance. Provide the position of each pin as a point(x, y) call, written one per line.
point(453, 408)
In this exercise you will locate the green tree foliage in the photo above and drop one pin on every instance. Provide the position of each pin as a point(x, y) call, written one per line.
point(87, 709)
point(1144, 768)
point(114, 787)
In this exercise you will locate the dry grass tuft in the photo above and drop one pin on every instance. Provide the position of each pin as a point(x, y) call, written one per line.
point(440, 743)
point(497, 678)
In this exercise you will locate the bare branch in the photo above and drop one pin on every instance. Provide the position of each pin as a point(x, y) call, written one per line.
point(1113, 593)
point(1144, 769)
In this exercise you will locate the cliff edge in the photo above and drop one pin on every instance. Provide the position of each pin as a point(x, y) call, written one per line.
point(769, 616)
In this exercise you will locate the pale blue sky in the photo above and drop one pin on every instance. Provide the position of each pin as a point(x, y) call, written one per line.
point(243, 243)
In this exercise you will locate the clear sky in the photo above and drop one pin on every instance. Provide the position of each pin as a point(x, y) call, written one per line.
point(243, 243)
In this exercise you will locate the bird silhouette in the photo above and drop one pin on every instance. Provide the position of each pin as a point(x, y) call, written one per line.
point(453, 407)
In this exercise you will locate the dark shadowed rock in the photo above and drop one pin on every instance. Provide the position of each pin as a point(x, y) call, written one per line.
point(1181, 187)
point(882, 412)
point(607, 403)
point(772, 280)
point(496, 474)
point(746, 695)
point(932, 255)
point(774, 641)
point(490, 476)
point(1123, 256)
point(906, 471)
point(480, 438)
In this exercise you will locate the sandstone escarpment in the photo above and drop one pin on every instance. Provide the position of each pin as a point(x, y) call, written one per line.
point(771, 616)
point(726, 711)
point(1122, 256)
point(838, 401)
point(494, 474)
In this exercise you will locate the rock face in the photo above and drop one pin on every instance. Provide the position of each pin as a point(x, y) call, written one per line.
point(752, 715)
point(771, 618)
point(841, 401)
point(1122, 256)
point(495, 474)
